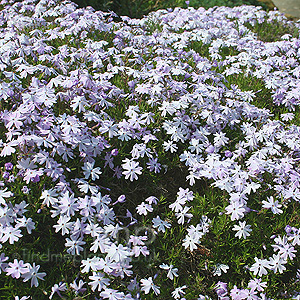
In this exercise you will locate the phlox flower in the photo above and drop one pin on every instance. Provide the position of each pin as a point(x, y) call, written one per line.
point(151, 200)
point(177, 205)
point(242, 229)
point(237, 294)
point(287, 116)
point(131, 169)
point(54, 170)
point(148, 284)
point(10, 233)
point(86, 187)
point(185, 194)
point(5, 194)
point(17, 268)
point(109, 160)
point(154, 165)
point(294, 237)
point(277, 263)
point(89, 170)
point(33, 275)
point(98, 280)
point(110, 127)
point(221, 290)
point(100, 201)
point(49, 197)
point(118, 253)
point(33, 175)
point(160, 224)
point(140, 150)
point(89, 263)
point(236, 210)
point(171, 270)
point(220, 139)
point(219, 268)
point(137, 250)
point(106, 215)
point(178, 292)
point(27, 223)
point(183, 214)
point(195, 146)
point(63, 224)
point(68, 204)
point(20, 208)
point(170, 146)
point(79, 102)
point(3, 264)
point(111, 294)
point(112, 230)
point(287, 251)
point(260, 267)
point(6, 217)
point(137, 240)
point(78, 288)
point(57, 288)
point(273, 205)
point(15, 119)
point(196, 232)
point(249, 294)
point(144, 208)
point(8, 148)
point(106, 265)
point(101, 242)
point(257, 284)
point(190, 242)
point(74, 245)
point(86, 206)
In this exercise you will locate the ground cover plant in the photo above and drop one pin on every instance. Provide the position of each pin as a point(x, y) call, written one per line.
point(139, 8)
point(148, 158)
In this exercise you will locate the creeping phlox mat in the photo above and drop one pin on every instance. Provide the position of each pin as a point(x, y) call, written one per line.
point(153, 158)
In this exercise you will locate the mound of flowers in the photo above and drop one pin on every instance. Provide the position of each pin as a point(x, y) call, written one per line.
point(148, 158)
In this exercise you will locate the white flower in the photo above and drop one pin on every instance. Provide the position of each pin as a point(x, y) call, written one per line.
point(49, 197)
point(147, 284)
point(117, 253)
point(74, 245)
point(219, 268)
point(171, 271)
point(144, 208)
point(274, 206)
point(160, 224)
point(277, 263)
point(178, 292)
point(63, 224)
point(33, 275)
point(131, 169)
point(190, 242)
point(236, 210)
point(4, 194)
point(242, 229)
point(183, 214)
point(260, 267)
point(89, 170)
point(99, 281)
point(170, 146)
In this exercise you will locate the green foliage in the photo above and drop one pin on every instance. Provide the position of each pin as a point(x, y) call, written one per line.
point(272, 31)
